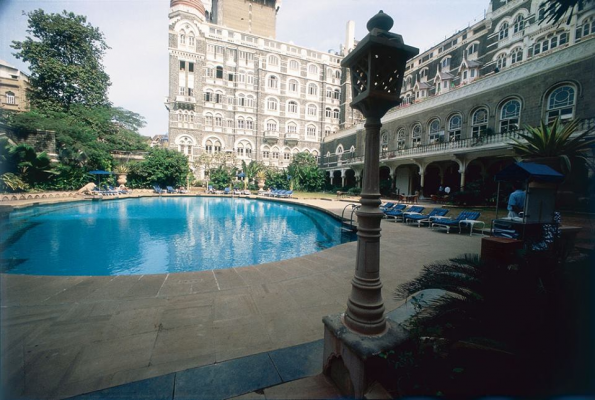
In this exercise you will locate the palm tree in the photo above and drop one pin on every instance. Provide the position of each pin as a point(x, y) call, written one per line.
point(251, 169)
point(554, 141)
point(557, 9)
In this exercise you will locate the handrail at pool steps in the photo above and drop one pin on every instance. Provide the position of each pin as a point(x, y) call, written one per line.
point(349, 227)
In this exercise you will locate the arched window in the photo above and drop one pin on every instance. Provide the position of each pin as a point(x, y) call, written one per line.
point(311, 131)
point(479, 122)
point(338, 74)
point(312, 110)
point(273, 60)
point(241, 123)
point(327, 130)
point(561, 103)
point(328, 112)
point(266, 151)
point(273, 82)
point(291, 127)
point(416, 135)
point(272, 125)
point(519, 23)
point(272, 104)
point(241, 76)
point(336, 113)
point(501, 61)
point(384, 143)
point(503, 32)
point(337, 94)
point(292, 107)
point(218, 120)
point(516, 55)
point(312, 89)
point(286, 154)
point(435, 134)
point(209, 119)
point(249, 123)
point(294, 65)
point(250, 102)
point(218, 96)
point(293, 86)
point(185, 144)
point(401, 139)
point(275, 154)
point(586, 28)
point(312, 69)
point(182, 37)
point(10, 98)
point(219, 72)
point(191, 39)
point(247, 148)
point(455, 124)
point(339, 150)
point(241, 100)
point(329, 93)
point(209, 95)
point(510, 114)
point(213, 145)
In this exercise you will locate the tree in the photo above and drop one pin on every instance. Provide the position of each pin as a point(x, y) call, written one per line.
point(555, 10)
point(161, 166)
point(65, 57)
point(22, 164)
point(251, 169)
point(305, 173)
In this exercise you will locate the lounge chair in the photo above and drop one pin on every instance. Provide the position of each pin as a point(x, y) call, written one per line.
point(387, 206)
point(236, 192)
point(182, 190)
point(450, 223)
point(399, 214)
point(226, 190)
point(246, 192)
point(157, 189)
point(210, 190)
point(171, 189)
point(397, 209)
point(425, 218)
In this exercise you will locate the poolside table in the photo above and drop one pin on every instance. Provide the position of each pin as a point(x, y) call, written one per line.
point(471, 223)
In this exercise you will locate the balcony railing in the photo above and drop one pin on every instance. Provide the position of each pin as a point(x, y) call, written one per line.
point(293, 137)
point(271, 134)
point(484, 142)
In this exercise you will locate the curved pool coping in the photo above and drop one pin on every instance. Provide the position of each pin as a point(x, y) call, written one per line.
point(66, 336)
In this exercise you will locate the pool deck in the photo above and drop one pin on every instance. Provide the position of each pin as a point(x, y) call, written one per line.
point(63, 336)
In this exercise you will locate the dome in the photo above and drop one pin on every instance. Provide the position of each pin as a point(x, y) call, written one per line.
point(195, 4)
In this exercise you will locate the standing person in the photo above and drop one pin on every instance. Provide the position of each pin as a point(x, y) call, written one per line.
point(516, 200)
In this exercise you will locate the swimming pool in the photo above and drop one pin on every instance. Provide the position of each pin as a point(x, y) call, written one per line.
point(161, 235)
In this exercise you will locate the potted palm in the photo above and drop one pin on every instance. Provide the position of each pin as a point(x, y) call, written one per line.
point(554, 145)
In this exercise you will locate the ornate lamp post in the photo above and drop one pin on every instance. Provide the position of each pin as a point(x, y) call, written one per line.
point(377, 67)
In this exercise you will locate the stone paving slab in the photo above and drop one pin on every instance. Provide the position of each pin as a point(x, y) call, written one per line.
point(108, 331)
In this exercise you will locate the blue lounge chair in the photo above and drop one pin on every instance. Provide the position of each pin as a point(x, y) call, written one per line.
point(425, 218)
point(398, 214)
point(454, 223)
point(387, 206)
point(157, 189)
point(171, 189)
point(397, 209)
point(226, 190)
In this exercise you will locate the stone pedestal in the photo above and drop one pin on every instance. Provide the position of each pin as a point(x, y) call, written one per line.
point(351, 360)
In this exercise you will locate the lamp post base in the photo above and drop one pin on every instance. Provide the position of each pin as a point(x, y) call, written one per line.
point(351, 359)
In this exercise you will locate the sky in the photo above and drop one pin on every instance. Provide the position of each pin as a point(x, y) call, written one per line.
point(137, 30)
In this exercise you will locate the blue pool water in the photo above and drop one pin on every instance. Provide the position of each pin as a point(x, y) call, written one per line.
point(160, 235)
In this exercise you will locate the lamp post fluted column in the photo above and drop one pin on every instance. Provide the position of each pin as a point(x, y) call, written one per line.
point(354, 338)
point(365, 308)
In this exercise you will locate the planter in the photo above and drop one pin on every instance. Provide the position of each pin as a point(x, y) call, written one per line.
point(260, 184)
point(122, 179)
